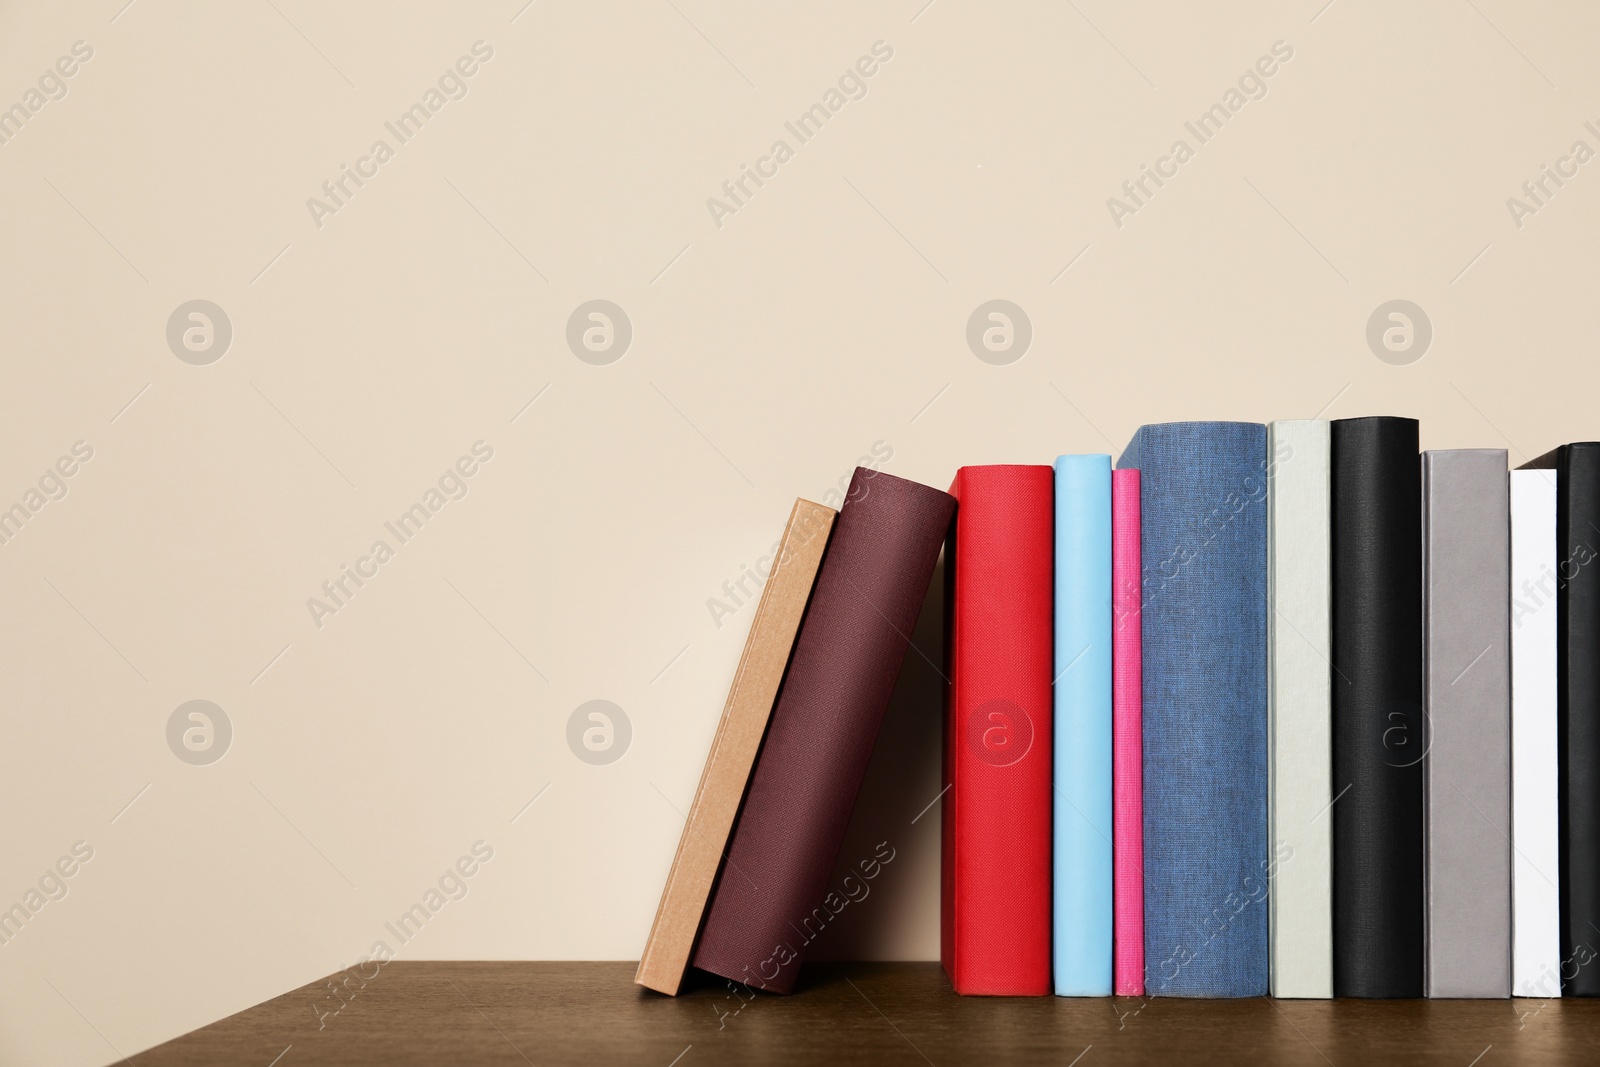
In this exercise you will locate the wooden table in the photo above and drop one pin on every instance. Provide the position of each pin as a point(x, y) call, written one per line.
point(591, 1014)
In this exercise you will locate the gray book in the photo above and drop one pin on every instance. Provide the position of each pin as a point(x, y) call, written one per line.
point(1466, 547)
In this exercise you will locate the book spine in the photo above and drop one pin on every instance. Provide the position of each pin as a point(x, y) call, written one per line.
point(1128, 761)
point(1203, 545)
point(772, 898)
point(1578, 723)
point(1378, 730)
point(1535, 819)
point(733, 750)
point(1299, 720)
point(1084, 939)
point(1466, 550)
point(998, 747)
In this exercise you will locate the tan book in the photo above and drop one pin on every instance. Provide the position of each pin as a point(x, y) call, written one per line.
point(733, 750)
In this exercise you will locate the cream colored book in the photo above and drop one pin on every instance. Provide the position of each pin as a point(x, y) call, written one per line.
point(1299, 709)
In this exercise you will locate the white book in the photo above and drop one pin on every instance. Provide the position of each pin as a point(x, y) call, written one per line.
point(1536, 860)
point(1299, 709)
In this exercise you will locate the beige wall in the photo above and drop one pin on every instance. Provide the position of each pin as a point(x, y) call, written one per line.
point(824, 316)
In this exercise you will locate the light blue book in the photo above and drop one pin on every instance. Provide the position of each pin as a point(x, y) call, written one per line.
point(1083, 944)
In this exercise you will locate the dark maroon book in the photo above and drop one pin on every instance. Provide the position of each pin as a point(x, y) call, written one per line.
point(772, 898)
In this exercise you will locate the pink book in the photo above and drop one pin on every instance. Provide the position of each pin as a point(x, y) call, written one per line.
point(1127, 770)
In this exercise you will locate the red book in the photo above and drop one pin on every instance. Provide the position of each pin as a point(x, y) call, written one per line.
point(997, 748)
point(1127, 760)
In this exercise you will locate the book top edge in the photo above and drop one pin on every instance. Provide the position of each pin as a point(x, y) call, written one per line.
point(1378, 418)
point(1098, 460)
point(1588, 450)
point(863, 474)
point(1169, 433)
point(1464, 453)
point(1194, 425)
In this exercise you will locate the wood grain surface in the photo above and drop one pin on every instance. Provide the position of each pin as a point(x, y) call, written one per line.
point(590, 1014)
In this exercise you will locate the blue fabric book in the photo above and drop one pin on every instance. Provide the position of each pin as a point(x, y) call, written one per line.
point(1083, 939)
point(1203, 492)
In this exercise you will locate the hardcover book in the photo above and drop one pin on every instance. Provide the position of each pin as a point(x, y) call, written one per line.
point(1535, 800)
point(733, 749)
point(1128, 753)
point(1300, 722)
point(995, 900)
point(1577, 470)
point(1466, 551)
point(1203, 517)
point(1379, 741)
point(772, 899)
point(1084, 939)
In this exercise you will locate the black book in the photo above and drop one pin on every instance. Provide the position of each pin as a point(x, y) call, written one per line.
point(1379, 730)
point(1577, 468)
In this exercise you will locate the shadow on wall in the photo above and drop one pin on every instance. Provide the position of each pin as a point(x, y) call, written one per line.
point(895, 915)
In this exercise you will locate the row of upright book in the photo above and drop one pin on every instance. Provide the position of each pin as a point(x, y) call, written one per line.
point(1292, 709)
